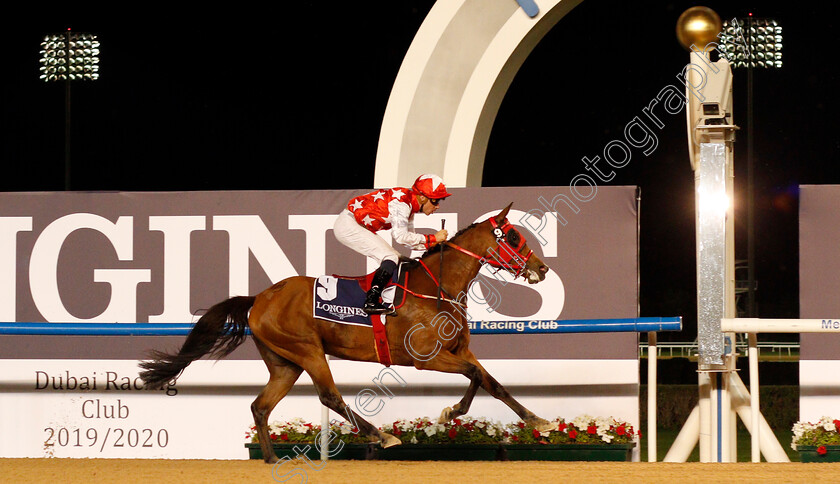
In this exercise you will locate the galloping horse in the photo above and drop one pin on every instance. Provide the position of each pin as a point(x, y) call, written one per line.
point(291, 340)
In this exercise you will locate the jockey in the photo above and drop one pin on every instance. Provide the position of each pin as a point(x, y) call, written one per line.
point(392, 209)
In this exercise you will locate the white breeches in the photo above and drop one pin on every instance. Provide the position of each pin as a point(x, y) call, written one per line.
point(362, 240)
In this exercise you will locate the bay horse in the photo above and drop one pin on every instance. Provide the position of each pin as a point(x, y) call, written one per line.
point(290, 340)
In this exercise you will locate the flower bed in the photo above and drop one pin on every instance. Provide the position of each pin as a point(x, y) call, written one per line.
point(817, 442)
point(466, 438)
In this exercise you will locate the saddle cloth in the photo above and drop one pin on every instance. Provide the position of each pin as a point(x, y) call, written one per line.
point(341, 299)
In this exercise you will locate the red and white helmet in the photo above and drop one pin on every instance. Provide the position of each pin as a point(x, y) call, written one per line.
point(431, 186)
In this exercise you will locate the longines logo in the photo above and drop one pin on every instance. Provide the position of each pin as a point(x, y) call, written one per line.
point(340, 312)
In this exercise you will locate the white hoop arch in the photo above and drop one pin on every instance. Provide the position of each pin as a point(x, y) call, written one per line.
point(450, 86)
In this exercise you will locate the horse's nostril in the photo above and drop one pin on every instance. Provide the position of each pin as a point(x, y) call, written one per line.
point(544, 269)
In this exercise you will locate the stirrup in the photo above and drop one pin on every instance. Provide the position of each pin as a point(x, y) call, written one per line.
point(379, 308)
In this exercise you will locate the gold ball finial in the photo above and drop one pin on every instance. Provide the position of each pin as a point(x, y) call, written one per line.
point(698, 26)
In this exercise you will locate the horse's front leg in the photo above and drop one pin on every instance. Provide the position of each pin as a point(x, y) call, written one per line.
point(469, 366)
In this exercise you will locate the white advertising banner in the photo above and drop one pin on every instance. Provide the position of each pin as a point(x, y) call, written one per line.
point(819, 285)
point(164, 257)
point(98, 408)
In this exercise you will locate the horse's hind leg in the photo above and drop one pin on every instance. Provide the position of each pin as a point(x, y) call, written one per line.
point(283, 375)
point(462, 407)
point(319, 370)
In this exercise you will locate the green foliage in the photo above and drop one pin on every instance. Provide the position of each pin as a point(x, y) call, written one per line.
point(824, 432)
point(582, 430)
point(462, 430)
point(293, 431)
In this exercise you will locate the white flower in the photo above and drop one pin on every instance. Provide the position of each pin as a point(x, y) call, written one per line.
point(582, 421)
point(825, 427)
point(344, 428)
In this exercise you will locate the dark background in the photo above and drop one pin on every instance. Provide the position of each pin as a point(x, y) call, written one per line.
point(291, 97)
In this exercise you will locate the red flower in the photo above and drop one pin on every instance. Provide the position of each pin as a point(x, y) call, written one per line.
point(521, 425)
point(562, 426)
point(837, 425)
point(284, 436)
point(821, 450)
point(572, 434)
point(452, 433)
point(515, 438)
point(355, 430)
point(592, 429)
point(621, 430)
point(536, 434)
point(457, 421)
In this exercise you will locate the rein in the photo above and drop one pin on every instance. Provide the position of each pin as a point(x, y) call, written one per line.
point(448, 298)
point(509, 257)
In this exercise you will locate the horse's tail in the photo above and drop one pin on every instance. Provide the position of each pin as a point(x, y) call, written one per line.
point(217, 333)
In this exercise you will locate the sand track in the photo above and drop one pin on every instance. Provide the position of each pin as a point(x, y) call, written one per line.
point(126, 471)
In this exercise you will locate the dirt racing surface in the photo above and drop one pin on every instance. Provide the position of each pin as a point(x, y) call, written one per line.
point(127, 471)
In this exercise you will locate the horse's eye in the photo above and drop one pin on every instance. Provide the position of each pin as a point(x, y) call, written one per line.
point(513, 237)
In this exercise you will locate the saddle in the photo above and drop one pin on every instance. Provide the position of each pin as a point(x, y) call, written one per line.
point(340, 299)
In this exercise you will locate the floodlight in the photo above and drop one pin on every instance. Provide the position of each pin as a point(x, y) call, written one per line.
point(70, 56)
point(745, 42)
point(66, 57)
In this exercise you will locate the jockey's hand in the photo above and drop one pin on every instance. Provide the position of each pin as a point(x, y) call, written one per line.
point(441, 236)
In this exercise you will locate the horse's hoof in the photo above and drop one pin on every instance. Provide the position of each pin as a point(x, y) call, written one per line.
point(389, 441)
point(543, 426)
point(445, 415)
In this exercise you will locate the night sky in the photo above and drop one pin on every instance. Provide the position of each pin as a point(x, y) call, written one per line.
point(291, 97)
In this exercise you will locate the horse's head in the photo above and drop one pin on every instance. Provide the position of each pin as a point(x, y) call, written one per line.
point(505, 248)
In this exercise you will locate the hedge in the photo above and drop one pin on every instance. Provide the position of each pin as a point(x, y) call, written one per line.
point(779, 405)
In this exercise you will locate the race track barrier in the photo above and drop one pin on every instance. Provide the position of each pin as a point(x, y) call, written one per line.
point(650, 325)
point(625, 325)
point(753, 326)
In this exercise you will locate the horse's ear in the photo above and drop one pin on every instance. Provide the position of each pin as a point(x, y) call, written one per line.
point(503, 214)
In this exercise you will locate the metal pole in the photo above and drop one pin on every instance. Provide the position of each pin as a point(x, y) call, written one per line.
point(750, 182)
point(653, 354)
point(755, 442)
point(67, 114)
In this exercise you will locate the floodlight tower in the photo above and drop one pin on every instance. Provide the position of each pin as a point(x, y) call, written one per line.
point(711, 133)
point(751, 43)
point(67, 57)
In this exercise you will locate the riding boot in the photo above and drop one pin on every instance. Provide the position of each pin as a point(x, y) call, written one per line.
point(373, 303)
